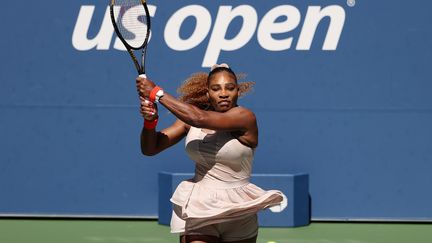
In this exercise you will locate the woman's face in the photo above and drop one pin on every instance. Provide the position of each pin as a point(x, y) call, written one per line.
point(223, 91)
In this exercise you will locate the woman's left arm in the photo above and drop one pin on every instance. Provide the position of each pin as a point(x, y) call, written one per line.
point(235, 119)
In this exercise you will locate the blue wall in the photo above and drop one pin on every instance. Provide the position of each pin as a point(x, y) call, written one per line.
point(357, 117)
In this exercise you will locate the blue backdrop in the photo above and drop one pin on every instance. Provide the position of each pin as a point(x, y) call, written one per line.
point(342, 93)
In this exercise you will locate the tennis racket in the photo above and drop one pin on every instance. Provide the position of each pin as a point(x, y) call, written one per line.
point(131, 21)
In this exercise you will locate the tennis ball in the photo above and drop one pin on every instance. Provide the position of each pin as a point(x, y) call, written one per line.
point(271, 241)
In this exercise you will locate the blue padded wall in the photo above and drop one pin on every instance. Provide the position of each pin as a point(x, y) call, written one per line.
point(342, 93)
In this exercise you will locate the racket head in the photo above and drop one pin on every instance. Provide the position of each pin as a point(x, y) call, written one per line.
point(131, 21)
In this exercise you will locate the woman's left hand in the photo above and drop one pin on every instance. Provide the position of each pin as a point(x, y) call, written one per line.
point(144, 87)
point(148, 109)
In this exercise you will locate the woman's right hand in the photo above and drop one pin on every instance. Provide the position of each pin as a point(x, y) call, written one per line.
point(144, 86)
point(148, 109)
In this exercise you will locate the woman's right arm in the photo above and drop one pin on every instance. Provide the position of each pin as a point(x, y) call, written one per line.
point(153, 142)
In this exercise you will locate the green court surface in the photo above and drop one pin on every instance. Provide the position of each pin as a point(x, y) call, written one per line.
point(136, 231)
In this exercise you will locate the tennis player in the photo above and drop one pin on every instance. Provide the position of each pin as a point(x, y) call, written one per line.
point(219, 204)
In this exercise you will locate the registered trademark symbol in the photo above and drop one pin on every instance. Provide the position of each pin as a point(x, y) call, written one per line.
point(351, 3)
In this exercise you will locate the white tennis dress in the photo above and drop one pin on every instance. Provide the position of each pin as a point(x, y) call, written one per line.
point(220, 190)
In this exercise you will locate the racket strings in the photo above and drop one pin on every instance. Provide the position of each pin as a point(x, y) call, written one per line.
point(131, 22)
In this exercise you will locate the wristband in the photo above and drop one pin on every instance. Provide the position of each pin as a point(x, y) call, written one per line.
point(150, 124)
point(156, 93)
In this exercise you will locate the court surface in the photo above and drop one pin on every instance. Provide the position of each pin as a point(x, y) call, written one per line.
point(136, 231)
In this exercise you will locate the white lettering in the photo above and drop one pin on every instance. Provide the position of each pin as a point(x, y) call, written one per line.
point(173, 26)
point(268, 26)
point(119, 45)
point(101, 41)
point(279, 20)
point(219, 43)
point(313, 17)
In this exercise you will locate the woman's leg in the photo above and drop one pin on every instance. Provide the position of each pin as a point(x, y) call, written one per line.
point(250, 240)
point(244, 230)
point(199, 239)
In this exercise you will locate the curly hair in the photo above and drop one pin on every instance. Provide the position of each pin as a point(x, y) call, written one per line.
point(194, 89)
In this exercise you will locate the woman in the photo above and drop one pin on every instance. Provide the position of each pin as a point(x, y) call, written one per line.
point(218, 204)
